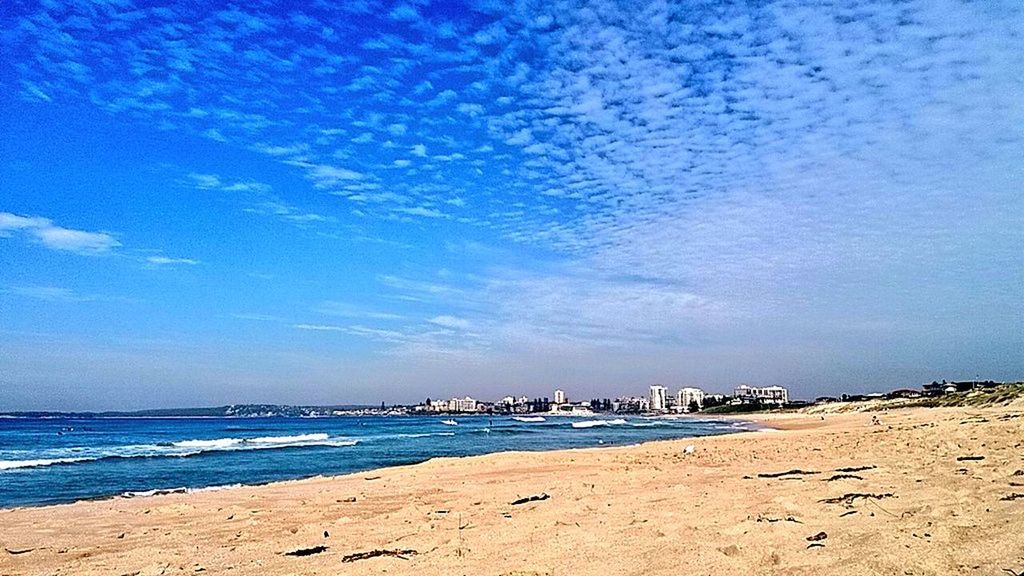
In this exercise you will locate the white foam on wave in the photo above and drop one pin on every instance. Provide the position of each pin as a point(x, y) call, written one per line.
point(179, 449)
point(16, 464)
point(208, 444)
point(649, 424)
point(301, 438)
point(594, 423)
point(529, 418)
point(268, 441)
point(182, 490)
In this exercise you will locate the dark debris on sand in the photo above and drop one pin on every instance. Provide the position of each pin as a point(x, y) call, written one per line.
point(401, 554)
point(307, 551)
point(534, 498)
point(796, 472)
point(850, 498)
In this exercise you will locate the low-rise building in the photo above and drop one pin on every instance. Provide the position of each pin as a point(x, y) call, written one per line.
point(764, 395)
point(631, 404)
point(466, 404)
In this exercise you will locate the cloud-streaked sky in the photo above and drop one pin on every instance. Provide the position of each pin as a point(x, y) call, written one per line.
point(365, 201)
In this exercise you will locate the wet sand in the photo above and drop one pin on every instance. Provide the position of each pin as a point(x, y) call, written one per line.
point(925, 491)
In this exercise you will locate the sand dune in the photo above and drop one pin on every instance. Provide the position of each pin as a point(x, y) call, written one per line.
point(920, 491)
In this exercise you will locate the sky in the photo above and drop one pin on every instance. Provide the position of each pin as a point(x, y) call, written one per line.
point(362, 201)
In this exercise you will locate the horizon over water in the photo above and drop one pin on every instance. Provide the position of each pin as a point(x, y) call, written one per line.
point(53, 460)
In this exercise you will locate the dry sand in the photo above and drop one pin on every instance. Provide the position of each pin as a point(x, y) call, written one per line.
point(650, 509)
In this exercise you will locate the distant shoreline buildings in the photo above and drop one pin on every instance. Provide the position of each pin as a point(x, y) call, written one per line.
point(659, 400)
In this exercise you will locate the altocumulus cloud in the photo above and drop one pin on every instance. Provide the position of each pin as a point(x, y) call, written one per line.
point(700, 170)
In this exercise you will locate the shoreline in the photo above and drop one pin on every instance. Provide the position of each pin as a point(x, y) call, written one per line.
point(931, 492)
point(191, 490)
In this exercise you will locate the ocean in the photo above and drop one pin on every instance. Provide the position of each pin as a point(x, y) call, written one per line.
point(57, 460)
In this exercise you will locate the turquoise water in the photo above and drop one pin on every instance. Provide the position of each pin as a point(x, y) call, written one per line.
point(53, 460)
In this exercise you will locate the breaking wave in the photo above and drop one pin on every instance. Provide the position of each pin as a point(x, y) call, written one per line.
point(594, 423)
point(179, 449)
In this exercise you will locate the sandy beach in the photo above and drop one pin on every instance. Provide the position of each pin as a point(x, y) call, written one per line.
point(917, 491)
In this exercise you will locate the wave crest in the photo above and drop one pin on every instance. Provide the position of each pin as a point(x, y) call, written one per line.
point(179, 449)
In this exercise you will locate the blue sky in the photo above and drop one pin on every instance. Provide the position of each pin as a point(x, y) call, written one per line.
point(365, 201)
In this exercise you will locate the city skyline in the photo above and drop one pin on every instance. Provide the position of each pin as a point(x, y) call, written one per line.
point(224, 204)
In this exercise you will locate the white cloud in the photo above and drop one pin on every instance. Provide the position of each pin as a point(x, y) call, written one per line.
point(49, 293)
point(165, 261)
point(450, 322)
point(257, 317)
point(215, 134)
point(205, 181)
point(10, 222)
point(327, 176)
point(419, 150)
point(318, 327)
point(261, 201)
point(347, 310)
point(470, 109)
point(404, 13)
point(60, 294)
point(45, 232)
point(423, 211)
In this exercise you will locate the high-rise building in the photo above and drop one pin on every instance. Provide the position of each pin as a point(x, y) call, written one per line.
point(658, 398)
point(560, 397)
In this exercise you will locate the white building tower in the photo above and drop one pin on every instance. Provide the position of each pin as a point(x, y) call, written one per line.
point(658, 398)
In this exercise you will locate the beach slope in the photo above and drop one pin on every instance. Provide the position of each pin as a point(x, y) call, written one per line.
point(916, 491)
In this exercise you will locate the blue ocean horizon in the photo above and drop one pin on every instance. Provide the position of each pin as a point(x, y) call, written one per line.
point(59, 460)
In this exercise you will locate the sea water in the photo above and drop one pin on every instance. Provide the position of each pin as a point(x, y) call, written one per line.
point(55, 460)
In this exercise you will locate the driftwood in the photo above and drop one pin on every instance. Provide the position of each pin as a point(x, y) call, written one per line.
point(844, 477)
point(403, 554)
point(856, 468)
point(849, 499)
point(534, 498)
point(1014, 496)
point(796, 472)
point(847, 513)
point(307, 551)
point(969, 458)
point(15, 552)
point(817, 537)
